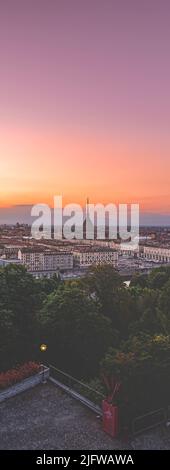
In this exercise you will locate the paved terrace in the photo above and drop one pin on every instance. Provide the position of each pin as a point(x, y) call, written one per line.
point(47, 418)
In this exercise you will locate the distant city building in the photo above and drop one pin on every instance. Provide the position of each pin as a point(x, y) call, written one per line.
point(11, 251)
point(157, 254)
point(45, 263)
point(60, 260)
point(7, 262)
point(86, 258)
point(32, 258)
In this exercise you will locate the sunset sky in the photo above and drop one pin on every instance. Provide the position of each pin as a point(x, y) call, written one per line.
point(85, 102)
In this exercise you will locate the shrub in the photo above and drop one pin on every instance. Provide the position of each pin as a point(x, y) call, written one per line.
point(21, 372)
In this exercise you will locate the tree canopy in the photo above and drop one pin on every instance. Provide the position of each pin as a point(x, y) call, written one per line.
point(92, 325)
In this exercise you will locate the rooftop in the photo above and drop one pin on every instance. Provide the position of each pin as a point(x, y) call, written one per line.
point(47, 418)
point(32, 249)
point(42, 250)
point(94, 249)
point(57, 252)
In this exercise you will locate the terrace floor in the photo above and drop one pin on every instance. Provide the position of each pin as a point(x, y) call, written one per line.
point(47, 418)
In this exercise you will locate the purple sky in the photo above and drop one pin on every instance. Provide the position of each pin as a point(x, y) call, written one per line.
point(98, 67)
point(70, 59)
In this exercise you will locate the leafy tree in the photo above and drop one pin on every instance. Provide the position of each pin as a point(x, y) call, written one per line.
point(164, 305)
point(139, 280)
point(142, 364)
point(125, 310)
point(102, 282)
point(77, 334)
point(8, 335)
point(150, 321)
point(20, 301)
point(157, 279)
point(47, 286)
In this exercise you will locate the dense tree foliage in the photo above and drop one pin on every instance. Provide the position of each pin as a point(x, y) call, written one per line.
point(77, 333)
point(102, 283)
point(142, 366)
point(91, 325)
point(19, 303)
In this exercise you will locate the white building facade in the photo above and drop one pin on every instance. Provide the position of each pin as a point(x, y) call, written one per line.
point(157, 254)
point(88, 258)
point(45, 263)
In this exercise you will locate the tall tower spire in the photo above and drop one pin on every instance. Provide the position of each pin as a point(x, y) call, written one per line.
point(88, 225)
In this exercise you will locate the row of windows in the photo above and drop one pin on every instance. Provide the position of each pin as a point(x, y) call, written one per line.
point(91, 257)
point(47, 260)
point(98, 261)
point(160, 252)
point(158, 257)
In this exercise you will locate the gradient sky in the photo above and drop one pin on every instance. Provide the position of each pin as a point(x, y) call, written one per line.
point(85, 102)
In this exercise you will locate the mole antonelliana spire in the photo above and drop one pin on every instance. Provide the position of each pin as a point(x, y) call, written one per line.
point(88, 227)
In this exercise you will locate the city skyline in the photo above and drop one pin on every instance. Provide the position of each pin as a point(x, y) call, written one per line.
point(85, 104)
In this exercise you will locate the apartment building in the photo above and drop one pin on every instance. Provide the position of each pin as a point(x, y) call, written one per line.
point(32, 258)
point(60, 260)
point(157, 254)
point(45, 263)
point(86, 258)
point(11, 251)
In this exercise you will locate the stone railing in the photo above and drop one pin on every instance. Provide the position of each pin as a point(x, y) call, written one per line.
point(26, 384)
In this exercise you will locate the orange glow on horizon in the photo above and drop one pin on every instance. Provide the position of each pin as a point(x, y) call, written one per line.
point(35, 166)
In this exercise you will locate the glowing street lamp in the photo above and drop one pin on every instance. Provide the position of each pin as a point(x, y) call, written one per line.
point(43, 347)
